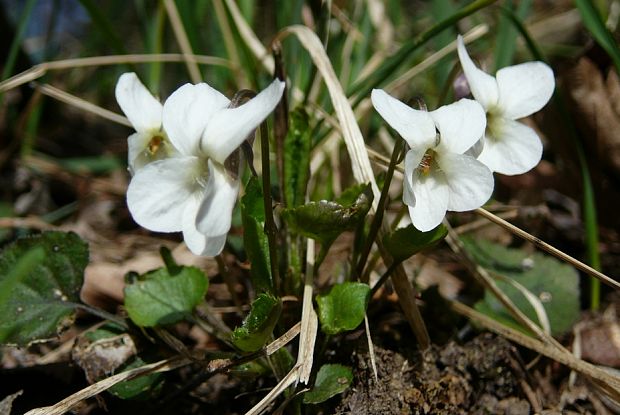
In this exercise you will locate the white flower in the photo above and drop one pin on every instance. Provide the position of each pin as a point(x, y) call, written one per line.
point(144, 112)
point(193, 192)
point(438, 175)
point(510, 147)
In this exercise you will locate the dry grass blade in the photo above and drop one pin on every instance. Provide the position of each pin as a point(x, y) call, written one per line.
point(250, 38)
point(82, 104)
point(41, 69)
point(182, 40)
point(603, 378)
point(362, 171)
point(309, 320)
point(475, 33)
point(69, 402)
point(286, 381)
point(548, 248)
point(487, 281)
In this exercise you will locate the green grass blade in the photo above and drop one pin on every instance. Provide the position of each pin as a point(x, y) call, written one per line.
point(507, 34)
point(595, 25)
point(17, 40)
point(363, 87)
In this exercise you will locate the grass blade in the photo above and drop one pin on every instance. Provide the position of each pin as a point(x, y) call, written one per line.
point(595, 25)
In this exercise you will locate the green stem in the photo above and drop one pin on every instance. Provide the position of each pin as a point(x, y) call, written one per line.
point(378, 218)
point(270, 224)
point(384, 278)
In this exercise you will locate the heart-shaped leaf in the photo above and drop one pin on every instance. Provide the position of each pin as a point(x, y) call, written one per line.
point(259, 324)
point(325, 220)
point(554, 283)
point(331, 380)
point(40, 276)
point(407, 241)
point(344, 307)
point(159, 298)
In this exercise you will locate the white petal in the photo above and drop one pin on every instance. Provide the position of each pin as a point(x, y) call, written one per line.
point(460, 125)
point(412, 160)
point(431, 200)
point(514, 149)
point(470, 181)
point(215, 212)
point(158, 193)
point(140, 107)
point(416, 127)
point(230, 127)
point(482, 85)
point(136, 155)
point(476, 149)
point(188, 111)
point(524, 89)
point(197, 242)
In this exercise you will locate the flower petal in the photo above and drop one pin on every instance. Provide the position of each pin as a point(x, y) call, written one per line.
point(470, 181)
point(524, 89)
point(188, 111)
point(197, 242)
point(416, 127)
point(412, 160)
point(158, 193)
point(431, 200)
point(482, 85)
point(215, 212)
point(231, 126)
point(136, 155)
point(140, 107)
point(460, 125)
point(514, 149)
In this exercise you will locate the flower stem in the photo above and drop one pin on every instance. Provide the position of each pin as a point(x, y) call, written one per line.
point(270, 224)
point(378, 218)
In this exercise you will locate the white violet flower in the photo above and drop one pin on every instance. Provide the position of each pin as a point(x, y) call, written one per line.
point(193, 192)
point(438, 175)
point(509, 147)
point(144, 112)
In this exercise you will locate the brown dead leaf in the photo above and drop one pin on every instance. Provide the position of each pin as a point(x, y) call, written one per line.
point(596, 104)
point(104, 280)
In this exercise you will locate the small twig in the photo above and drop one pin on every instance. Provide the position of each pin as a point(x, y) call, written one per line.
point(487, 281)
point(81, 103)
point(548, 248)
point(41, 69)
point(602, 377)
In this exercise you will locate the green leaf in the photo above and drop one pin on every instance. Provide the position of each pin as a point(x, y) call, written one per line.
point(159, 298)
point(595, 24)
point(140, 388)
point(344, 307)
point(297, 146)
point(39, 276)
point(258, 325)
point(254, 238)
point(331, 380)
point(325, 220)
point(405, 242)
point(553, 282)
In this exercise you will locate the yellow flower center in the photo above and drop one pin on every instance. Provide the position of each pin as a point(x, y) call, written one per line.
point(428, 162)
